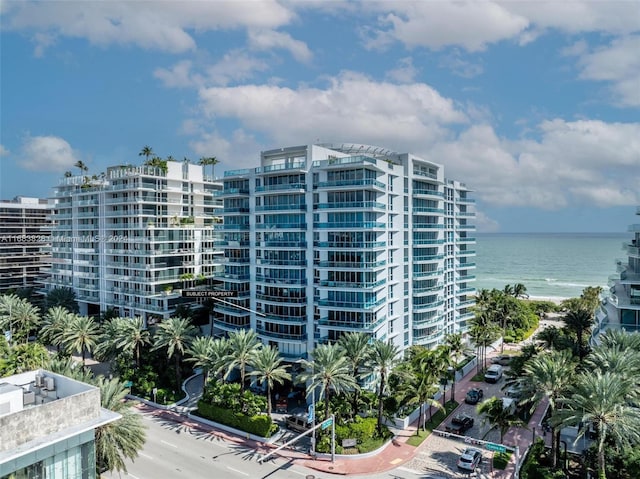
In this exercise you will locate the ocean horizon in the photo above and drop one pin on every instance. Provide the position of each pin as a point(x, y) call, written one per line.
point(550, 265)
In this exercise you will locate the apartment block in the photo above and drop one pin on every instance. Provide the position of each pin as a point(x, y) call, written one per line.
point(47, 426)
point(134, 237)
point(621, 309)
point(24, 242)
point(320, 240)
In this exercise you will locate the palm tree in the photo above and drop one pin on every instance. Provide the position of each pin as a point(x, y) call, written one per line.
point(268, 369)
point(455, 348)
point(54, 325)
point(621, 338)
point(483, 331)
point(132, 336)
point(499, 417)
point(243, 346)
point(24, 357)
point(81, 335)
point(176, 335)
point(81, 166)
point(548, 376)
point(146, 151)
point(68, 174)
point(328, 372)
point(520, 291)
point(206, 353)
point(357, 349)
point(19, 315)
point(551, 337)
point(417, 386)
point(601, 399)
point(204, 161)
point(65, 297)
point(579, 321)
point(382, 360)
point(121, 439)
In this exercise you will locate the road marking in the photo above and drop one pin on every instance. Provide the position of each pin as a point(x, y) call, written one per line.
point(235, 470)
point(145, 455)
point(296, 472)
point(406, 469)
point(169, 444)
point(131, 475)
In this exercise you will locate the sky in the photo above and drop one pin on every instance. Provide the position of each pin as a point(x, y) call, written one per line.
point(534, 105)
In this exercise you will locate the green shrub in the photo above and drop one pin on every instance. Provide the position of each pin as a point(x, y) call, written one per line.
point(259, 425)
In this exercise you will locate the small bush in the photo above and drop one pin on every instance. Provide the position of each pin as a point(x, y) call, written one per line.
point(259, 425)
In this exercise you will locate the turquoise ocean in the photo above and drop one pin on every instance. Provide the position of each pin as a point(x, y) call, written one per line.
point(550, 265)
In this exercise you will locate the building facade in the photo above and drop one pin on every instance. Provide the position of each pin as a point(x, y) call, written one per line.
point(621, 309)
point(47, 426)
point(24, 245)
point(320, 240)
point(134, 237)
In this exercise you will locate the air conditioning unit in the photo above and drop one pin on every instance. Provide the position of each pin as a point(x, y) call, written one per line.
point(39, 382)
point(49, 384)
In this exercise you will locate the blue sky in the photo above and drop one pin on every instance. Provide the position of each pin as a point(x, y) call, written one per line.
point(534, 105)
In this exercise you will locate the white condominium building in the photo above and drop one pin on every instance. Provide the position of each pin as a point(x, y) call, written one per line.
point(24, 246)
point(320, 240)
point(621, 309)
point(133, 237)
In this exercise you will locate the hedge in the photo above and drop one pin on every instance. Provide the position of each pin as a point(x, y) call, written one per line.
point(259, 425)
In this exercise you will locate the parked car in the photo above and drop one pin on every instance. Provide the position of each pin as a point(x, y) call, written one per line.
point(470, 459)
point(503, 359)
point(460, 423)
point(474, 396)
point(509, 405)
point(514, 392)
point(493, 373)
point(298, 422)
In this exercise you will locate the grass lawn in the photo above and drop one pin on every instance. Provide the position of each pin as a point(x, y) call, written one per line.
point(430, 425)
point(501, 459)
point(479, 378)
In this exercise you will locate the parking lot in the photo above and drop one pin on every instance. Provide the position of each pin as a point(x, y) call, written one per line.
point(438, 455)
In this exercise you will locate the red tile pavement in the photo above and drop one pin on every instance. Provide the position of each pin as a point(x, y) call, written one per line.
point(393, 455)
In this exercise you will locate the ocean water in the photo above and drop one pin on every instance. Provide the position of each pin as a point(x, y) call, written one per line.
point(550, 265)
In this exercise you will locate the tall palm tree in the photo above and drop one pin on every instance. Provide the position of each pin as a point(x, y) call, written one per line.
point(548, 376)
point(483, 331)
point(146, 151)
point(551, 337)
point(121, 439)
point(456, 349)
point(268, 369)
point(81, 335)
point(417, 386)
point(382, 359)
point(579, 321)
point(601, 399)
point(54, 325)
point(621, 338)
point(204, 354)
point(81, 166)
point(499, 417)
point(206, 161)
point(176, 335)
point(243, 346)
point(328, 372)
point(132, 335)
point(357, 348)
point(520, 291)
point(19, 316)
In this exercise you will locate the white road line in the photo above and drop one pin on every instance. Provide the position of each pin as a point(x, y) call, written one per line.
point(406, 469)
point(296, 472)
point(131, 475)
point(145, 455)
point(239, 472)
point(169, 444)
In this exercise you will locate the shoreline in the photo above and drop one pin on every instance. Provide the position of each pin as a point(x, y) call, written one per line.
point(557, 300)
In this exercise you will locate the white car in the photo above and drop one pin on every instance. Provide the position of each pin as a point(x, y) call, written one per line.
point(470, 459)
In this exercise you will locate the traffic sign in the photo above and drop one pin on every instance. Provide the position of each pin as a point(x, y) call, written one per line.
point(495, 447)
point(311, 413)
point(326, 423)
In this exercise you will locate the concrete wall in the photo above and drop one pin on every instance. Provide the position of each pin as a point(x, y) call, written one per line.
point(42, 420)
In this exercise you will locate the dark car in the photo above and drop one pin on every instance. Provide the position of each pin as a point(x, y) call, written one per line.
point(460, 424)
point(474, 396)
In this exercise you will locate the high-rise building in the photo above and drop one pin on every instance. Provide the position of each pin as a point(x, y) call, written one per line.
point(320, 240)
point(621, 309)
point(24, 242)
point(132, 238)
point(47, 426)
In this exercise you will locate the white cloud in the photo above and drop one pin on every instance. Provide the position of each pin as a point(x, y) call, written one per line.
point(405, 72)
point(470, 25)
point(618, 63)
point(152, 25)
point(572, 163)
point(270, 39)
point(178, 76)
point(485, 224)
point(459, 66)
point(3, 151)
point(47, 153)
point(352, 106)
